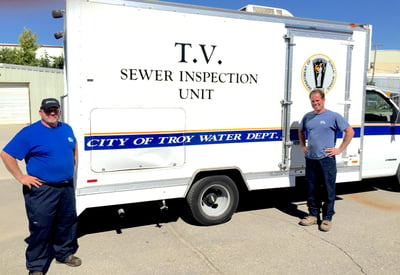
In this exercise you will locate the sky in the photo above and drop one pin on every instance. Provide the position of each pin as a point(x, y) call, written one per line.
point(383, 15)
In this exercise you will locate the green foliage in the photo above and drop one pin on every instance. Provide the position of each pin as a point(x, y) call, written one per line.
point(44, 61)
point(56, 62)
point(25, 54)
point(28, 47)
point(9, 56)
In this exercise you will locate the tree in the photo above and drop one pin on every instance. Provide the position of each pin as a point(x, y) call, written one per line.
point(28, 48)
point(25, 54)
point(58, 62)
point(44, 61)
point(8, 55)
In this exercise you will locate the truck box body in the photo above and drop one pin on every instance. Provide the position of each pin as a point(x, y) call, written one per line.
point(162, 95)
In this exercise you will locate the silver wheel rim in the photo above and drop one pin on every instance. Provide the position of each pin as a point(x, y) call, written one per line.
point(215, 200)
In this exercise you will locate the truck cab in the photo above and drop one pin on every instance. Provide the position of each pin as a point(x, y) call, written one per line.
point(381, 147)
point(379, 108)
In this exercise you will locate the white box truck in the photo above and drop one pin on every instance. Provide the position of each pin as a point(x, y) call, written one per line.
point(174, 101)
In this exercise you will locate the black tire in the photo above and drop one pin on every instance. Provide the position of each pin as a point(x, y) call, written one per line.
point(398, 175)
point(213, 200)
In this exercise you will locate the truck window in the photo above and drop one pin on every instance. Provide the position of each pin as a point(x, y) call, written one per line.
point(378, 109)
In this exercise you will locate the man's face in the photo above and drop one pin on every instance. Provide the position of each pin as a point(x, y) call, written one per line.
point(317, 103)
point(50, 116)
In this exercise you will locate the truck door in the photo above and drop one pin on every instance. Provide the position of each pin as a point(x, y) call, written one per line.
point(381, 150)
point(319, 59)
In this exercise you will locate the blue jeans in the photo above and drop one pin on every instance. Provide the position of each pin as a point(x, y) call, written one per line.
point(321, 184)
point(52, 225)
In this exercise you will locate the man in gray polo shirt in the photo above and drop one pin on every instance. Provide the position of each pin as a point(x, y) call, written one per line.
point(321, 126)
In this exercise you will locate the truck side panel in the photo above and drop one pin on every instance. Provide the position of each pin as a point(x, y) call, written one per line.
point(193, 92)
point(158, 93)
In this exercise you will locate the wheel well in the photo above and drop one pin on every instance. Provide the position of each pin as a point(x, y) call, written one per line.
point(234, 174)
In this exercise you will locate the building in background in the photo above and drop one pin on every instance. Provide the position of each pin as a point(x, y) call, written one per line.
point(23, 87)
point(385, 61)
point(384, 72)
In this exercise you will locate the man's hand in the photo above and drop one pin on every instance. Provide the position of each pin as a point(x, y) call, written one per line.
point(332, 151)
point(29, 181)
point(12, 166)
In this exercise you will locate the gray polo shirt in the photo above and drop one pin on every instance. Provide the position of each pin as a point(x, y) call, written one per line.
point(322, 131)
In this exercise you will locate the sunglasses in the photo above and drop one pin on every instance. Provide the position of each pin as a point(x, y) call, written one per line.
point(52, 110)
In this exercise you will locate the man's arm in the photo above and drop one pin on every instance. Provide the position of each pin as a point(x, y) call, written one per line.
point(348, 136)
point(76, 155)
point(302, 139)
point(12, 166)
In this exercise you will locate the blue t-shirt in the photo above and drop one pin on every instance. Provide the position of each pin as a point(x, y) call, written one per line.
point(322, 131)
point(48, 152)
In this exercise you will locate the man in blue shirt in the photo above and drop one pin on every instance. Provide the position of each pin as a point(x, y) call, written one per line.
point(322, 126)
point(49, 149)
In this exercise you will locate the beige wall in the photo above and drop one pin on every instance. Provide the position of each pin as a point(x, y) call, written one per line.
point(42, 83)
point(387, 61)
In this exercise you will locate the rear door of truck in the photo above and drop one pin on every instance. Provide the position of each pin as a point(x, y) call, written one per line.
point(323, 59)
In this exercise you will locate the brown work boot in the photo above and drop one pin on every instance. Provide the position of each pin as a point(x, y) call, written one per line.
point(308, 220)
point(71, 260)
point(325, 225)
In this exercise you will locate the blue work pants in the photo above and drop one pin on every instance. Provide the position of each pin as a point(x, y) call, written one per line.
point(321, 184)
point(52, 224)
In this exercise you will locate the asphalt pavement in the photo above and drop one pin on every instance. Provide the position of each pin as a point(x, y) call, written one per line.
point(263, 237)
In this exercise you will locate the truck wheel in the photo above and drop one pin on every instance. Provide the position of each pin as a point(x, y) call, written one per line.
point(213, 200)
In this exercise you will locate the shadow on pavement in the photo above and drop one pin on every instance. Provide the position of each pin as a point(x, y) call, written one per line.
point(108, 218)
point(287, 200)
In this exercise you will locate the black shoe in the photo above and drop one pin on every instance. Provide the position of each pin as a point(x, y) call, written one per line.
point(71, 260)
